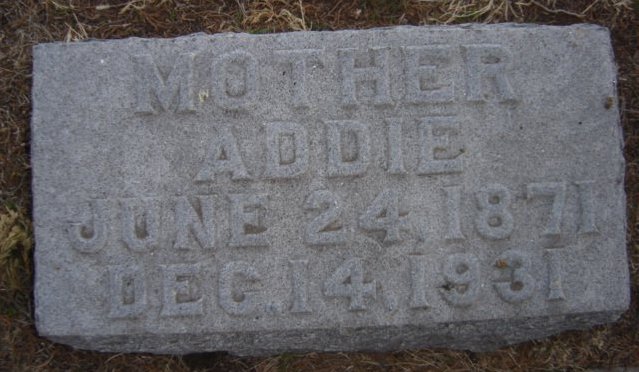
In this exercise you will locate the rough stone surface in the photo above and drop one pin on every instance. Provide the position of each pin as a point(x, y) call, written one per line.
point(354, 190)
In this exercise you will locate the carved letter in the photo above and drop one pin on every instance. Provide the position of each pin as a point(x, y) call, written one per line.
point(286, 150)
point(436, 155)
point(487, 63)
point(127, 291)
point(223, 157)
point(188, 221)
point(235, 80)
point(347, 147)
point(153, 92)
point(233, 301)
point(421, 74)
point(298, 59)
point(141, 235)
point(182, 290)
point(395, 153)
point(247, 220)
point(90, 237)
point(352, 76)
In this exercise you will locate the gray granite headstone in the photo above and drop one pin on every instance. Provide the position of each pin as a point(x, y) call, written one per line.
point(355, 190)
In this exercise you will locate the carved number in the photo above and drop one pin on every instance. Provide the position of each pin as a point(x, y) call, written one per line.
point(461, 273)
point(384, 215)
point(325, 228)
point(453, 201)
point(348, 281)
point(555, 288)
point(556, 191)
point(586, 201)
point(519, 285)
point(493, 220)
point(299, 281)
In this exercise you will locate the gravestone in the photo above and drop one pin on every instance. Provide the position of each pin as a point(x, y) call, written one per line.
point(354, 190)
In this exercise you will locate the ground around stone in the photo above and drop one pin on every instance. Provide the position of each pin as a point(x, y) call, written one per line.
point(24, 23)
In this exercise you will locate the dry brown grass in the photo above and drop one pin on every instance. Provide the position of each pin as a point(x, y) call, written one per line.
point(24, 23)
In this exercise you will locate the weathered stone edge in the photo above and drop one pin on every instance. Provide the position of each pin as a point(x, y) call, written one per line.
point(226, 35)
point(468, 335)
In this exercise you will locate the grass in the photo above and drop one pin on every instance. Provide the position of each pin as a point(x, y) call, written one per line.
point(24, 23)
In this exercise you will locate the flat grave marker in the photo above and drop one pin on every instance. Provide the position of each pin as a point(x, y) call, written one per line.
point(354, 190)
